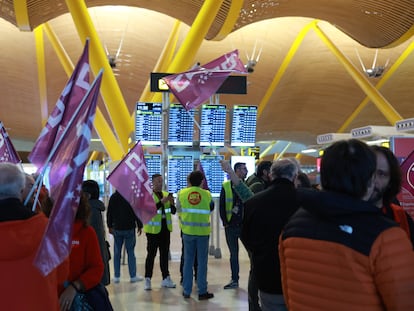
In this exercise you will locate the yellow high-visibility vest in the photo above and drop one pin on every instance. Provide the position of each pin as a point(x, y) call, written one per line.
point(195, 211)
point(154, 225)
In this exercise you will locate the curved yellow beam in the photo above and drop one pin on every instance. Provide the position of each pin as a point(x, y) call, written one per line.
point(184, 58)
point(41, 74)
point(231, 19)
point(202, 23)
point(388, 74)
point(283, 67)
point(111, 93)
point(112, 146)
point(22, 15)
point(376, 97)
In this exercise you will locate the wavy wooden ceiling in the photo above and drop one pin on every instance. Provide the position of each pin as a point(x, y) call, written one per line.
point(315, 94)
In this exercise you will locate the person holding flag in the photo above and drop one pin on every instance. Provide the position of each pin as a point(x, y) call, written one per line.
point(158, 231)
point(132, 204)
point(122, 222)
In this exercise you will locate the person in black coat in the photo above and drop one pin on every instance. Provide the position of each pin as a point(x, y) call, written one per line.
point(264, 217)
point(122, 221)
point(91, 188)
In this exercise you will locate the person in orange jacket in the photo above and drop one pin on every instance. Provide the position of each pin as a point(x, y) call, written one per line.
point(22, 286)
point(387, 186)
point(338, 251)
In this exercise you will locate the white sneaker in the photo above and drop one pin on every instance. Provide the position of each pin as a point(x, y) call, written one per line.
point(147, 285)
point(116, 280)
point(137, 278)
point(168, 283)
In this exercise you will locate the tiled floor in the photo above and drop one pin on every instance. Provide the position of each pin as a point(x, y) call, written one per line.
point(129, 297)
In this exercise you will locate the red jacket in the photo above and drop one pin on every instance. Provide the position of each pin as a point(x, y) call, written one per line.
point(85, 257)
point(22, 287)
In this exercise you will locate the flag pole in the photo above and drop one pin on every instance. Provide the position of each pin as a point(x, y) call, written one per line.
point(62, 136)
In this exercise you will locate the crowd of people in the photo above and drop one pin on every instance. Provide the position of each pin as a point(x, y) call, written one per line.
point(348, 246)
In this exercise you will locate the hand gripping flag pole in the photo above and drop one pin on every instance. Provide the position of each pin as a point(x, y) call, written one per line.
point(67, 170)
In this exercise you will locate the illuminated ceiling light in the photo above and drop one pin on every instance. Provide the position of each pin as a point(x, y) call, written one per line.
point(309, 150)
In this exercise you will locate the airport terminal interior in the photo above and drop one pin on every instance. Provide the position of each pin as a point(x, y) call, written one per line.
point(316, 72)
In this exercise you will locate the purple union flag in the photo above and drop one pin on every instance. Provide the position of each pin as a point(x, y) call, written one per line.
point(131, 180)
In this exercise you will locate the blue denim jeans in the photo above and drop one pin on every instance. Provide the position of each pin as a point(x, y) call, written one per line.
point(127, 236)
point(232, 239)
point(193, 244)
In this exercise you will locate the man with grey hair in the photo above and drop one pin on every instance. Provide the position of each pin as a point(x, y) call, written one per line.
point(265, 215)
point(23, 287)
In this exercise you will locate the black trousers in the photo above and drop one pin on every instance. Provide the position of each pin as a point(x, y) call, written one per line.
point(159, 241)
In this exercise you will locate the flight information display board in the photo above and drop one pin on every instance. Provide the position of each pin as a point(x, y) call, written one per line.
point(212, 125)
point(179, 167)
point(215, 176)
point(243, 128)
point(148, 123)
point(180, 126)
point(153, 162)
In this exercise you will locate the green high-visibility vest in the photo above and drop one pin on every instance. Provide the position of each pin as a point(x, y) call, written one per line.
point(154, 225)
point(228, 192)
point(195, 211)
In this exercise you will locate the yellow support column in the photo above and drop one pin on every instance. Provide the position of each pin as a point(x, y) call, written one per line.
point(112, 146)
point(268, 148)
point(388, 74)
point(283, 151)
point(110, 90)
point(22, 15)
point(41, 73)
point(184, 58)
point(376, 97)
point(283, 67)
point(94, 155)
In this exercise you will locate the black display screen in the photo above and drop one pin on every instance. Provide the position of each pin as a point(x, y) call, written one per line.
point(179, 167)
point(215, 176)
point(180, 126)
point(213, 125)
point(148, 123)
point(153, 162)
point(243, 128)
